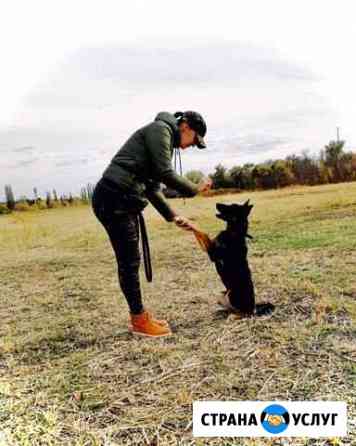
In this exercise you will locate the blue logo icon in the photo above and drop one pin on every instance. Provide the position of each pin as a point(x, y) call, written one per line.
point(275, 419)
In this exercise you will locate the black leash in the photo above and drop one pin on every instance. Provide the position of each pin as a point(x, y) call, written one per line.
point(145, 248)
point(144, 237)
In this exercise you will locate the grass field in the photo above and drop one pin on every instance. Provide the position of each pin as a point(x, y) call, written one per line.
point(71, 374)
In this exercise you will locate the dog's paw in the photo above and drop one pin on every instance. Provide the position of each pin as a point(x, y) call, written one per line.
point(224, 301)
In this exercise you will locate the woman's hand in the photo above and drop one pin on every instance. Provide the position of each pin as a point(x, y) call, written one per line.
point(205, 185)
point(183, 222)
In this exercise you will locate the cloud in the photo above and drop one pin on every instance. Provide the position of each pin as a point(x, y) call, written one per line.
point(205, 63)
point(64, 163)
point(25, 163)
point(104, 76)
point(71, 162)
point(23, 149)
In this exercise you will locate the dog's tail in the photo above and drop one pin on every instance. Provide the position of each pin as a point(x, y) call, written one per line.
point(264, 309)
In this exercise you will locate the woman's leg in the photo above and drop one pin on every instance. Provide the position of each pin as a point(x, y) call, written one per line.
point(123, 232)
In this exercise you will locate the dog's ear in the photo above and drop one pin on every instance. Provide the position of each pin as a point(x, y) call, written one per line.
point(247, 207)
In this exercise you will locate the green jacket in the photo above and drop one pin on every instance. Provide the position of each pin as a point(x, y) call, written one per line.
point(144, 162)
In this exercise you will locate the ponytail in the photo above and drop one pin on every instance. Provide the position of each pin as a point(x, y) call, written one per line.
point(179, 115)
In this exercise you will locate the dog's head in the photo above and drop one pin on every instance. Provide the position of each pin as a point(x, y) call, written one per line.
point(235, 215)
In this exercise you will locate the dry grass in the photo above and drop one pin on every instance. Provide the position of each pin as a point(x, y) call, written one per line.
point(71, 374)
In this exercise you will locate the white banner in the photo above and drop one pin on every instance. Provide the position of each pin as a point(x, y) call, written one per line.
point(314, 419)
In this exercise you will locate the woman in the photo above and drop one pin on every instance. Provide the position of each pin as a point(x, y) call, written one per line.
point(131, 180)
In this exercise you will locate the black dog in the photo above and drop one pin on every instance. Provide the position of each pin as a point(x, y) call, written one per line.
point(229, 253)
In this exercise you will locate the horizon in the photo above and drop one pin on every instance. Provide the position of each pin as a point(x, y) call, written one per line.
point(77, 192)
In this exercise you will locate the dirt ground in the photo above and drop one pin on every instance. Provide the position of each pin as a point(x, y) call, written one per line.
point(71, 374)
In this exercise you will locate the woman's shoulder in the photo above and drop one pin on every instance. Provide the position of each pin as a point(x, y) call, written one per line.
point(157, 126)
point(157, 132)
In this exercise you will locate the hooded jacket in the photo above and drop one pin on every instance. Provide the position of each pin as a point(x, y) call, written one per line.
point(145, 161)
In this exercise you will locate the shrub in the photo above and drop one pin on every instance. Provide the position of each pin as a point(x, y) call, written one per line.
point(4, 209)
point(22, 206)
point(195, 176)
point(41, 205)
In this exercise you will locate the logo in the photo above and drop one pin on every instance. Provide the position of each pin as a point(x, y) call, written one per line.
point(314, 419)
point(275, 419)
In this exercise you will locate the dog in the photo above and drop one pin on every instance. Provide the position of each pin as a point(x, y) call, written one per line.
point(228, 250)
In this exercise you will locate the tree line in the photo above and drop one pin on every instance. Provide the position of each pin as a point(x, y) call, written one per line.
point(332, 165)
point(49, 201)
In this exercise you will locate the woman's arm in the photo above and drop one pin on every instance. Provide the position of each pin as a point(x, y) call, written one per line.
point(157, 199)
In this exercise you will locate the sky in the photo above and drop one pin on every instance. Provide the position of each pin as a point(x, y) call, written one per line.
point(77, 78)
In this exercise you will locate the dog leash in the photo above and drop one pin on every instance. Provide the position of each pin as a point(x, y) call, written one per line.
point(144, 237)
point(202, 238)
point(145, 248)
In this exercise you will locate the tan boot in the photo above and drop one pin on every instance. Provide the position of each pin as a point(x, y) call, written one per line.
point(162, 322)
point(144, 324)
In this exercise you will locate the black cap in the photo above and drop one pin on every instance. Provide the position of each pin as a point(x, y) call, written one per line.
point(196, 122)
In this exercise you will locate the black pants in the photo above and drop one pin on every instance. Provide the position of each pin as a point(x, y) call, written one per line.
point(121, 224)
